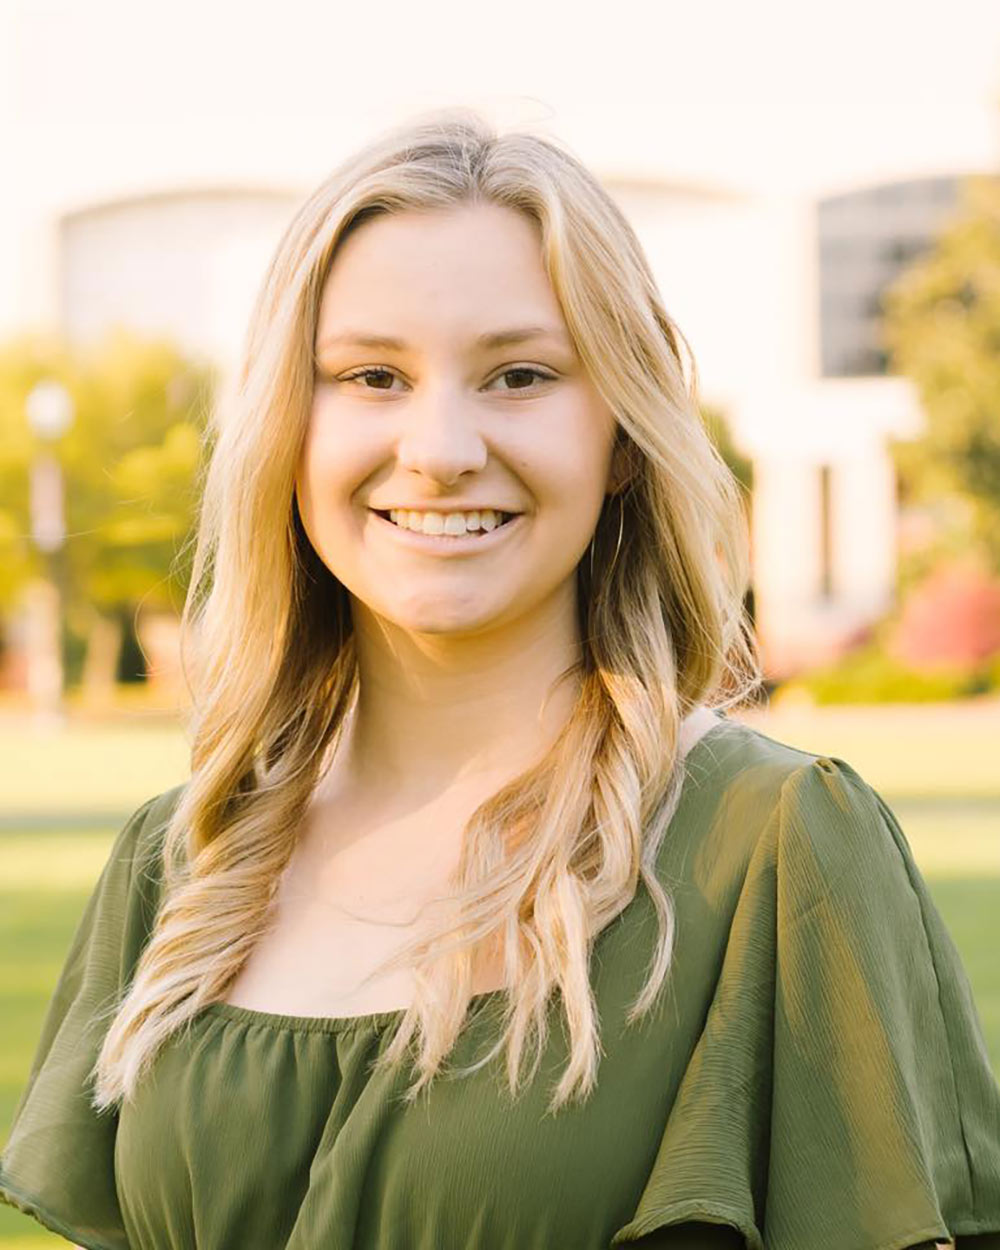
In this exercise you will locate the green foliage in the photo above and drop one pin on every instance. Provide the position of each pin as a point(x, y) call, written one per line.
point(130, 462)
point(942, 330)
point(869, 675)
point(718, 429)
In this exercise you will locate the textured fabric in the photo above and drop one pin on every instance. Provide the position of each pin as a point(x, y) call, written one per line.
point(813, 1077)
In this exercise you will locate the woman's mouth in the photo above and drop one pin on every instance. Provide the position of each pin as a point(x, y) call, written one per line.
point(481, 539)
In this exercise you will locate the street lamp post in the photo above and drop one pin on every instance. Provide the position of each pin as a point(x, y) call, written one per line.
point(50, 412)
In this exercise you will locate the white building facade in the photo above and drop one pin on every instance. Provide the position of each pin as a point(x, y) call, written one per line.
point(774, 293)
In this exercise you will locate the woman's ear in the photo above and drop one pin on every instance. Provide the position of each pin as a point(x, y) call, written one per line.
point(623, 464)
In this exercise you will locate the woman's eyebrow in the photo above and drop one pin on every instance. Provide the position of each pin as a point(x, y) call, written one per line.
point(491, 339)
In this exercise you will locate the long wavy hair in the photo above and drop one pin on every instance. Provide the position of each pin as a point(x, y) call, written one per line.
point(557, 853)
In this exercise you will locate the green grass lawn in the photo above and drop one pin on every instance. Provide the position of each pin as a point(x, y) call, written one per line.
point(65, 798)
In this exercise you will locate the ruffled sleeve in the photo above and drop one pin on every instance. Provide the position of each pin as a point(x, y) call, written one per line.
point(840, 1096)
point(58, 1161)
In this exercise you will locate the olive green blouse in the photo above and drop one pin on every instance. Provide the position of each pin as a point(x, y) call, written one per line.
point(812, 1077)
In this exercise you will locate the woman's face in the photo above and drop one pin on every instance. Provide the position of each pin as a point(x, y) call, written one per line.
point(447, 384)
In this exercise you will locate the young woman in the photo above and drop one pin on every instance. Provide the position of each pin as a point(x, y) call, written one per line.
point(465, 618)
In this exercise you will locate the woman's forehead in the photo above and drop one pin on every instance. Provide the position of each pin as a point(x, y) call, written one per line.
point(481, 241)
point(483, 279)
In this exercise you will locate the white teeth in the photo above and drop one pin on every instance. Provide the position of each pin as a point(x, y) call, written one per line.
point(447, 523)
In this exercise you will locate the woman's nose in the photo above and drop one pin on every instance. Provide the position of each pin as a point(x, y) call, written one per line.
point(440, 437)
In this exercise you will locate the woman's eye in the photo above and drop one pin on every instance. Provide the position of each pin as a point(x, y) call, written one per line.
point(523, 372)
point(370, 373)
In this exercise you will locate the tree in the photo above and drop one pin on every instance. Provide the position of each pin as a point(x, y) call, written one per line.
point(942, 330)
point(129, 461)
point(740, 465)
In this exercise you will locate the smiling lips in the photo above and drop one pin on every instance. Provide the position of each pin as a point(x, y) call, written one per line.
point(442, 543)
point(454, 524)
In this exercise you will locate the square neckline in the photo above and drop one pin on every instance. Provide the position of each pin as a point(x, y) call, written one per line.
point(380, 1020)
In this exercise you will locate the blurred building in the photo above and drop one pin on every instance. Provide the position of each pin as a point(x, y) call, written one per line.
point(777, 295)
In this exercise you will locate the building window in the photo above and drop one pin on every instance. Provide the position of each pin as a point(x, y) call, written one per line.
point(866, 238)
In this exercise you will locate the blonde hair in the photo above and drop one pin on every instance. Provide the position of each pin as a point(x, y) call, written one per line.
point(557, 853)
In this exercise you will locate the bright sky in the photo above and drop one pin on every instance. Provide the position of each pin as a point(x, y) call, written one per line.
point(777, 94)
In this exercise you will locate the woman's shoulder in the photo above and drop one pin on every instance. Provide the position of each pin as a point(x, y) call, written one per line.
point(749, 750)
point(142, 833)
point(134, 865)
point(799, 818)
point(748, 770)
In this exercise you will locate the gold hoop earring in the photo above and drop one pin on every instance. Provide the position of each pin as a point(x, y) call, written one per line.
point(621, 526)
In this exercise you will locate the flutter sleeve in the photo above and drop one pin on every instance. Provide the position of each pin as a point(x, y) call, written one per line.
point(885, 1128)
point(58, 1161)
point(841, 1096)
